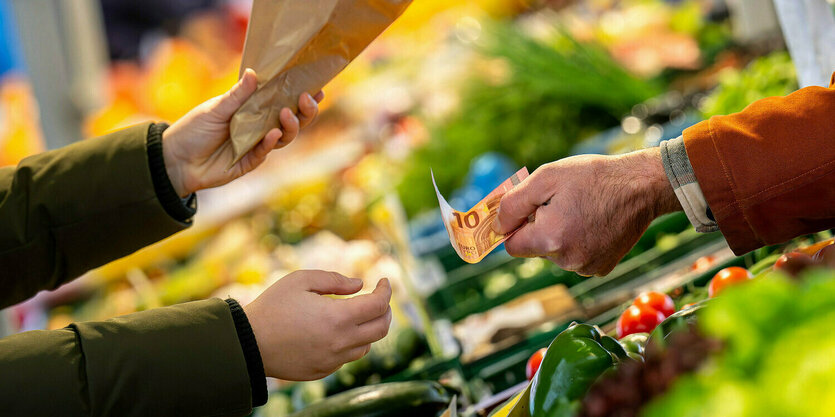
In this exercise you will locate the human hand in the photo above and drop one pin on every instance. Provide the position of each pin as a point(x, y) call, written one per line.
point(303, 335)
point(197, 150)
point(589, 210)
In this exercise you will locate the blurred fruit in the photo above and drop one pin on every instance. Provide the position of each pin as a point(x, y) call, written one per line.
point(178, 79)
point(727, 277)
point(793, 263)
point(656, 300)
point(638, 320)
point(825, 256)
point(533, 363)
point(703, 263)
point(815, 248)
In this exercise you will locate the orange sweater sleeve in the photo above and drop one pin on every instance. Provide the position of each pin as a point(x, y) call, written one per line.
point(768, 172)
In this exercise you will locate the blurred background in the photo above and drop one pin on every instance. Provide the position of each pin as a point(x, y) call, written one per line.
point(474, 89)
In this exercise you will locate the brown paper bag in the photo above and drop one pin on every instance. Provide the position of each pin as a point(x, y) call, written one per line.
point(298, 46)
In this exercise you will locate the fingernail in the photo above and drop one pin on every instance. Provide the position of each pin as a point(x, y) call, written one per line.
point(497, 226)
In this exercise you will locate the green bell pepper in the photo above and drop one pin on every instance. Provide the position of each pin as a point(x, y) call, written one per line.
point(575, 359)
point(635, 344)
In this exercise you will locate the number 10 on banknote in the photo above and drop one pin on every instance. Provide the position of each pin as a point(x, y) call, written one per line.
point(471, 232)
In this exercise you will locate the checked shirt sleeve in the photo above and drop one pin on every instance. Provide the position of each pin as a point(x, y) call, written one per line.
point(683, 179)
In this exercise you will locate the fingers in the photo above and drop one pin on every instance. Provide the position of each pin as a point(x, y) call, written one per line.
point(324, 282)
point(531, 240)
point(522, 201)
point(233, 99)
point(289, 124)
point(270, 142)
point(308, 109)
point(374, 330)
point(367, 307)
point(356, 353)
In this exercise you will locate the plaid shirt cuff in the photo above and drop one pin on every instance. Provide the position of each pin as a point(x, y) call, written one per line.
point(681, 176)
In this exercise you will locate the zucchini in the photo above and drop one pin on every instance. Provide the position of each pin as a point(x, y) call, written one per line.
point(395, 399)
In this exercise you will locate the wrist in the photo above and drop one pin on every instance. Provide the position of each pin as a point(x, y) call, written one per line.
point(174, 166)
point(661, 193)
point(655, 194)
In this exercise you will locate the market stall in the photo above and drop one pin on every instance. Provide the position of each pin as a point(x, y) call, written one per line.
point(474, 90)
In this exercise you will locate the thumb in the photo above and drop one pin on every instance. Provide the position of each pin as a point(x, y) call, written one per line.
point(520, 203)
point(232, 100)
point(323, 282)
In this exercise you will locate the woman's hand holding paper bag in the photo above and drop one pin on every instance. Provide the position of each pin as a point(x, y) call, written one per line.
point(197, 150)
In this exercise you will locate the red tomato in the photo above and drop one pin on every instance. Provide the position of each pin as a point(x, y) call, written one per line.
point(793, 263)
point(727, 277)
point(533, 363)
point(638, 320)
point(656, 300)
point(703, 263)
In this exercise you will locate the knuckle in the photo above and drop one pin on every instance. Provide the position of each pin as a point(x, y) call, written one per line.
point(335, 346)
point(380, 332)
point(381, 306)
point(335, 278)
point(552, 245)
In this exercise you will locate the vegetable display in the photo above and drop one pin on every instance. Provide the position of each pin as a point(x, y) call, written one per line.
point(394, 399)
point(778, 352)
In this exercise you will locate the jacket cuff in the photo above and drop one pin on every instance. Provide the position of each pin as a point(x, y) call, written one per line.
point(687, 189)
point(718, 187)
point(180, 209)
point(252, 355)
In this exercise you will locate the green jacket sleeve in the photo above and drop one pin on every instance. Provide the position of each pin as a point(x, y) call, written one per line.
point(66, 211)
point(183, 360)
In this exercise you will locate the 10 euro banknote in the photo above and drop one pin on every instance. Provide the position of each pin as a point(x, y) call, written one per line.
point(471, 232)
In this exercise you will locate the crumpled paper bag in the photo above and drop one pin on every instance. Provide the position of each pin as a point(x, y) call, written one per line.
point(298, 46)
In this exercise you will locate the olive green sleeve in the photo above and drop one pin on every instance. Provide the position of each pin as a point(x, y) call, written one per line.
point(66, 211)
point(183, 360)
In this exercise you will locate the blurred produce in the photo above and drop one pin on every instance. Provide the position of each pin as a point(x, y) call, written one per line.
point(777, 356)
point(20, 134)
point(772, 75)
point(727, 277)
point(395, 399)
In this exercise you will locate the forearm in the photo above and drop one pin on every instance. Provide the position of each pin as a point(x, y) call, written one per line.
point(73, 209)
point(182, 360)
